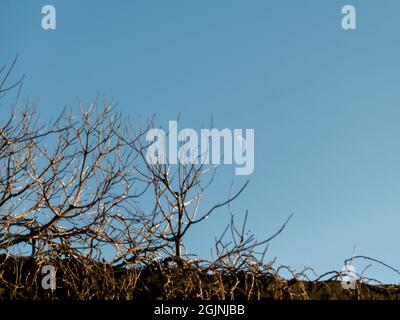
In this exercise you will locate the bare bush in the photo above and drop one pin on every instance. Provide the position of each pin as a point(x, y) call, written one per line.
point(70, 195)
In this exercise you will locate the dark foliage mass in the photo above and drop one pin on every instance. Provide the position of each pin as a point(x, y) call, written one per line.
point(87, 280)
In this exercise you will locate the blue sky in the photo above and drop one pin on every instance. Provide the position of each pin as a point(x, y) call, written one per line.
point(324, 103)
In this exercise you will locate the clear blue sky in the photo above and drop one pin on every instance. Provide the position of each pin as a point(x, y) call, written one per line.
point(324, 103)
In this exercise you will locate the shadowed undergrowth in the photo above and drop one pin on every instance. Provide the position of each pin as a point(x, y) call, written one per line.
point(20, 279)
